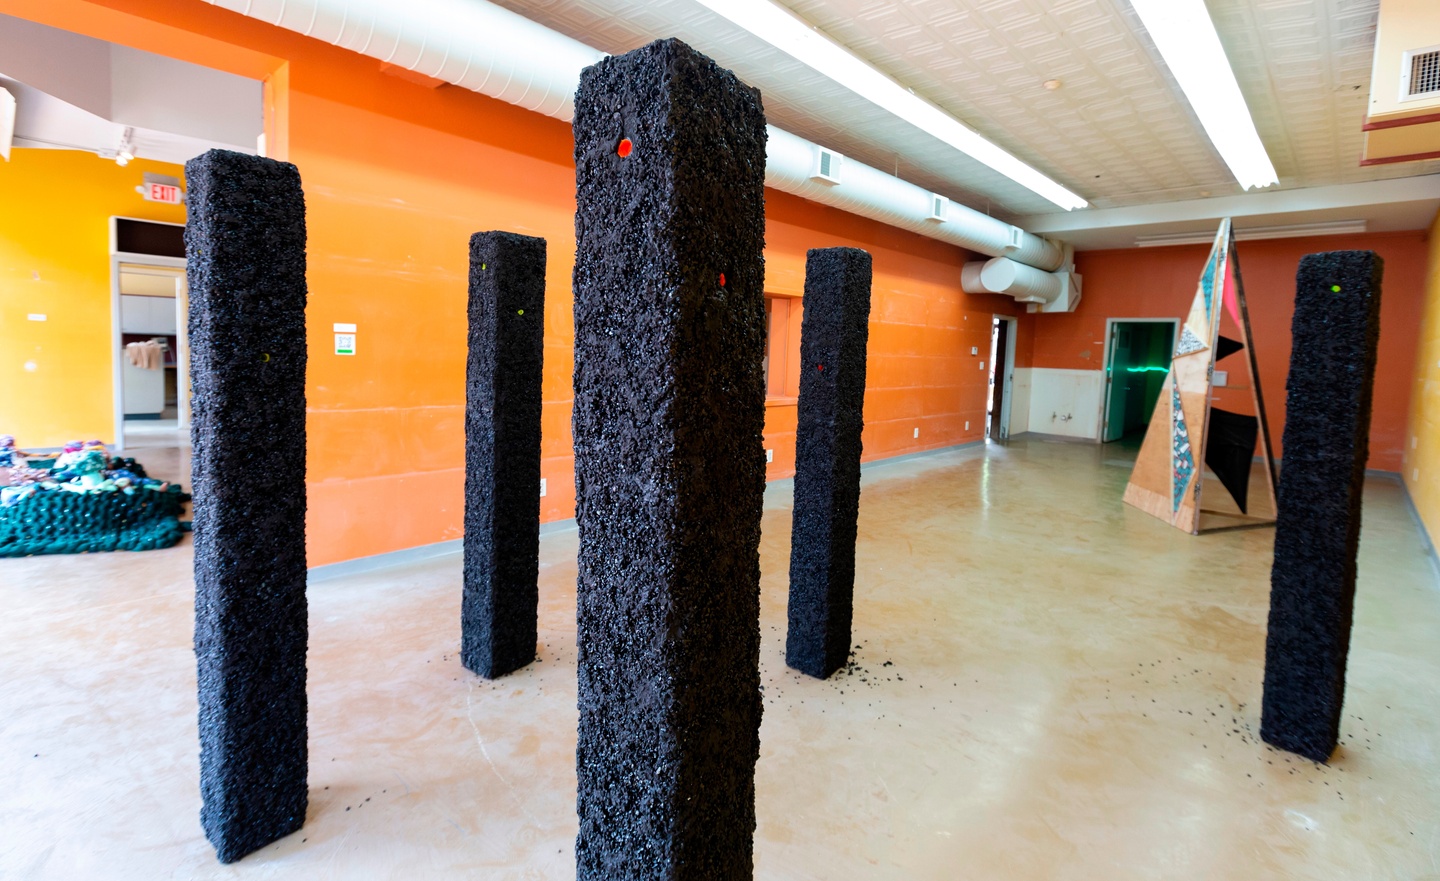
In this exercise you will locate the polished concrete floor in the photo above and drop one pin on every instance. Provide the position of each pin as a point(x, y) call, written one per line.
point(1047, 685)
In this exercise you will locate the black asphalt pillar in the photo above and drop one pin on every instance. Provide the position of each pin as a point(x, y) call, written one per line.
point(827, 459)
point(502, 452)
point(669, 464)
point(245, 247)
point(1335, 334)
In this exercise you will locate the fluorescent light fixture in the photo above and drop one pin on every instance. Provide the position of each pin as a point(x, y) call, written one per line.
point(1185, 35)
point(781, 29)
point(1291, 231)
point(7, 123)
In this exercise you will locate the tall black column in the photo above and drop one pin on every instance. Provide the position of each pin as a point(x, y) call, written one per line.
point(245, 247)
point(1334, 337)
point(827, 459)
point(669, 464)
point(502, 452)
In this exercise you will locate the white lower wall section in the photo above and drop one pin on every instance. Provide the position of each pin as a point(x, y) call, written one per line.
point(1020, 401)
point(1065, 402)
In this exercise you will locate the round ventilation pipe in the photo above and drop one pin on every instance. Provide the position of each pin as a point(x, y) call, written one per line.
point(483, 47)
point(1025, 283)
point(879, 195)
point(468, 43)
point(970, 281)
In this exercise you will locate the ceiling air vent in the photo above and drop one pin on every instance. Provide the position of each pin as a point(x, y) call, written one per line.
point(827, 165)
point(939, 207)
point(1420, 74)
point(1016, 240)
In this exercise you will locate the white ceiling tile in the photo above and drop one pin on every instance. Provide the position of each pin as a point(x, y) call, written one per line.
point(1118, 131)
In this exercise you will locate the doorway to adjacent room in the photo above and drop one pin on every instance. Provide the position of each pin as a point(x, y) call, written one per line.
point(1002, 376)
point(149, 299)
point(1137, 359)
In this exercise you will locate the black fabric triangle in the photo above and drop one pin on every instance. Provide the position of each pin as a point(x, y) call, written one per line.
point(1225, 347)
point(1229, 450)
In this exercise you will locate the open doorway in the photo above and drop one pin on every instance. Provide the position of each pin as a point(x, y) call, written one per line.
point(1137, 359)
point(1002, 375)
point(152, 394)
point(149, 303)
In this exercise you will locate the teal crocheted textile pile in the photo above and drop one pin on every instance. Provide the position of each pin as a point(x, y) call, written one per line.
point(60, 522)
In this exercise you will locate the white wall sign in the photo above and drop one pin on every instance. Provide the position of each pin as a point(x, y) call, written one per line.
point(344, 339)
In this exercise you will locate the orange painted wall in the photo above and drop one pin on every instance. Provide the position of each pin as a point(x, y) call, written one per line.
point(397, 176)
point(57, 375)
point(1160, 283)
point(920, 373)
point(389, 230)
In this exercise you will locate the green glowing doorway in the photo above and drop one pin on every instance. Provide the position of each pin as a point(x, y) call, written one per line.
point(1138, 360)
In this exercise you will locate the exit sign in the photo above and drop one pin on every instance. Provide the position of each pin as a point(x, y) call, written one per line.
point(170, 195)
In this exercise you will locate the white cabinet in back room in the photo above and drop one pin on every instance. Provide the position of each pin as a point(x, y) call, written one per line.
point(147, 315)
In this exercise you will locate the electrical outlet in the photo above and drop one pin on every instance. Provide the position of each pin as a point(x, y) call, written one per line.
point(542, 487)
point(917, 431)
point(974, 350)
point(982, 365)
point(769, 455)
point(967, 426)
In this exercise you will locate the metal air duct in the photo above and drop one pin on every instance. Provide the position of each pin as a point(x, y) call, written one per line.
point(1040, 291)
point(878, 195)
point(491, 50)
point(469, 43)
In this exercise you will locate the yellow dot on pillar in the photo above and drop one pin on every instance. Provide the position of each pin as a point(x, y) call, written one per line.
point(264, 356)
point(519, 311)
point(1335, 288)
point(482, 267)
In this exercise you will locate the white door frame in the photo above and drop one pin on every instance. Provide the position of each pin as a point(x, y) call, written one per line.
point(1007, 377)
point(117, 363)
point(1105, 364)
point(182, 353)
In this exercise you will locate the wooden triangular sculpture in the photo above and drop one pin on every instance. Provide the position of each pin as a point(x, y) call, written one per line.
point(1198, 424)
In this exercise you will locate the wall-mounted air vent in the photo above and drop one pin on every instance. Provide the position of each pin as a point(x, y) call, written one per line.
point(1420, 74)
point(827, 165)
point(939, 207)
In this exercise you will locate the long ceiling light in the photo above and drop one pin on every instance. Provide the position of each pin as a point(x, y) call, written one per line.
point(1185, 35)
point(1256, 233)
point(781, 29)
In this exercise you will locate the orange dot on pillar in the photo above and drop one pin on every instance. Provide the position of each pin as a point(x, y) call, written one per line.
point(626, 146)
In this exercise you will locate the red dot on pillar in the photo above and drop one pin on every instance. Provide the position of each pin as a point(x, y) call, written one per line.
point(820, 367)
point(626, 146)
point(722, 279)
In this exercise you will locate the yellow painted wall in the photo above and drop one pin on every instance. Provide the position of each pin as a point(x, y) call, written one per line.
point(56, 375)
point(1422, 454)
